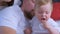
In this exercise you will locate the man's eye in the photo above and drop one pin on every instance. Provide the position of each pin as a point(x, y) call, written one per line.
point(33, 1)
point(40, 12)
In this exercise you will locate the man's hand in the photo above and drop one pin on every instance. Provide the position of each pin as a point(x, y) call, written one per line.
point(28, 31)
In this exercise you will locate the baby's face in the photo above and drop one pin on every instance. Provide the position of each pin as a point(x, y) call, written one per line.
point(43, 13)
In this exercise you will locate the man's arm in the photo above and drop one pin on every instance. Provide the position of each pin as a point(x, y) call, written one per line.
point(6, 30)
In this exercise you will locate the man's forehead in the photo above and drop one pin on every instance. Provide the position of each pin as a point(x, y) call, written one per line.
point(33, 0)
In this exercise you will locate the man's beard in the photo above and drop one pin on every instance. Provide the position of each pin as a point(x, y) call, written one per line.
point(28, 15)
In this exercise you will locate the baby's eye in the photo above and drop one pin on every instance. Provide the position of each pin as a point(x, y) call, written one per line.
point(47, 12)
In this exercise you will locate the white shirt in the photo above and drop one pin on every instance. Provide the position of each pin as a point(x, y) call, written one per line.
point(28, 23)
point(58, 21)
point(37, 26)
point(13, 17)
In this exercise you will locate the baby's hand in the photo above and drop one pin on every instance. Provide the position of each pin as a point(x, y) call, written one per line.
point(45, 23)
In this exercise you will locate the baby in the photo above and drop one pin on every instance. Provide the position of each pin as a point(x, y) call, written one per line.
point(41, 22)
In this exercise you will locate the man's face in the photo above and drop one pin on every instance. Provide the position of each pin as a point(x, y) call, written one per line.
point(28, 5)
point(43, 13)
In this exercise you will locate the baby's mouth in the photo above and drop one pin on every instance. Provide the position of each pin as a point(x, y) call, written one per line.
point(43, 19)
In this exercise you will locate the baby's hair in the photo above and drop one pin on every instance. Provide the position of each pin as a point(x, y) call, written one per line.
point(39, 3)
point(42, 2)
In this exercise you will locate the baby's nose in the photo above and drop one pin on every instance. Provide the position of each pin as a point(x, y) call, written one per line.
point(43, 15)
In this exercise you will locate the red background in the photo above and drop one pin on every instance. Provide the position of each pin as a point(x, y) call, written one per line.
point(56, 11)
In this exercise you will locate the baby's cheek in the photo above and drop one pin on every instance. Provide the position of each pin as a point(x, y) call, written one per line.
point(48, 16)
point(39, 17)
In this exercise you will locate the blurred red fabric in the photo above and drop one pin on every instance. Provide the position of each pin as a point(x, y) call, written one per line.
point(56, 11)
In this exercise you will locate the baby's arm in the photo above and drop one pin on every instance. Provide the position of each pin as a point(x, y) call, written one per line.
point(50, 28)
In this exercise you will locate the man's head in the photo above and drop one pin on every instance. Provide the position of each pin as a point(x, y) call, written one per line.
point(43, 9)
point(6, 2)
point(28, 7)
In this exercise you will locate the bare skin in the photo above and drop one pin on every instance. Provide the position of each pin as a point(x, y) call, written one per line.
point(6, 30)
